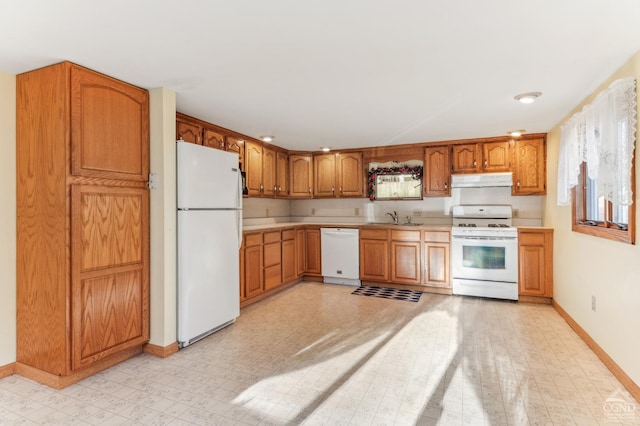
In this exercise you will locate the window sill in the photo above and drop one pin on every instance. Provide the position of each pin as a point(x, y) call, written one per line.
point(606, 233)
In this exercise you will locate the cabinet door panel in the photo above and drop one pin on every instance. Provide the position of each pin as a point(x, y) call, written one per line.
point(436, 256)
point(253, 271)
point(405, 262)
point(313, 259)
point(269, 172)
point(324, 175)
point(300, 176)
point(110, 272)
point(213, 139)
point(188, 132)
point(350, 174)
point(109, 127)
point(282, 174)
point(236, 145)
point(301, 252)
point(253, 156)
point(437, 172)
point(374, 260)
point(531, 279)
point(289, 272)
point(529, 167)
point(496, 157)
point(108, 316)
point(465, 158)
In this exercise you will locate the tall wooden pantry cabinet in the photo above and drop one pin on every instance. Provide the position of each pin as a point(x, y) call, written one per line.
point(83, 223)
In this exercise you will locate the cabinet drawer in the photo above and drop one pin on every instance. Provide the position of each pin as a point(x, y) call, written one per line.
point(374, 234)
point(272, 255)
point(405, 235)
point(251, 240)
point(272, 236)
point(531, 238)
point(289, 234)
point(437, 236)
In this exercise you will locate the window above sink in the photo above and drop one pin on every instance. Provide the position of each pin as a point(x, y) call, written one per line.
point(395, 181)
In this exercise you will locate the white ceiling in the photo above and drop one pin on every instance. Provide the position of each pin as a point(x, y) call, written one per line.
point(339, 73)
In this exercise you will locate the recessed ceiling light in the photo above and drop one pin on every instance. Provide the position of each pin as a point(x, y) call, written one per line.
point(267, 138)
point(326, 149)
point(527, 98)
point(516, 133)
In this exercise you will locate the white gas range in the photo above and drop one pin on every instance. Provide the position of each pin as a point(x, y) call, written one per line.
point(484, 252)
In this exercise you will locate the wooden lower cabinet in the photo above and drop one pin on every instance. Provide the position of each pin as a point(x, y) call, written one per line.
point(289, 252)
point(436, 259)
point(535, 262)
point(314, 260)
point(417, 258)
point(301, 252)
point(374, 254)
point(253, 280)
point(405, 257)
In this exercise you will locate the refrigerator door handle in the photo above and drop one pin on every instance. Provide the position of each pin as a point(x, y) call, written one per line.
point(239, 214)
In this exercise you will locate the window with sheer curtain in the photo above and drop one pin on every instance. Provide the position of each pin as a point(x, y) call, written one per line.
point(595, 165)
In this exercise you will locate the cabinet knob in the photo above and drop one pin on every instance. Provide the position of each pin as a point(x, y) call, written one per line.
point(446, 186)
point(474, 163)
point(309, 190)
point(275, 189)
point(518, 184)
point(333, 190)
point(485, 164)
point(341, 190)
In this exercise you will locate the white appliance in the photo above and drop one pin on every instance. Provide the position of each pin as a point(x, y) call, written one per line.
point(484, 252)
point(209, 188)
point(340, 254)
point(481, 180)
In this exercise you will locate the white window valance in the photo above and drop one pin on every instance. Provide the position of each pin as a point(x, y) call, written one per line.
point(603, 135)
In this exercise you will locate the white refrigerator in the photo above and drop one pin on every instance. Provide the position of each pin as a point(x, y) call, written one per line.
point(209, 186)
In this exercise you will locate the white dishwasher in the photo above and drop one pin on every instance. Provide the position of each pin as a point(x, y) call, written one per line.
point(340, 248)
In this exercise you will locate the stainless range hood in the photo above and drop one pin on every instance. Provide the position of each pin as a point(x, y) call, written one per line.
point(481, 180)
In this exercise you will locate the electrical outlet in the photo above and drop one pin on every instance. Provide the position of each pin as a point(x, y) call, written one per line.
point(357, 211)
point(267, 214)
point(417, 212)
point(593, 303)
point(516, 213)
point(313, 212)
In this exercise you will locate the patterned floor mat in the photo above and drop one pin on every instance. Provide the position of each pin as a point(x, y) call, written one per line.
point(388, 293)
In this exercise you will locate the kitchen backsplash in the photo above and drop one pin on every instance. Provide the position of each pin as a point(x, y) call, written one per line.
point(432, 211)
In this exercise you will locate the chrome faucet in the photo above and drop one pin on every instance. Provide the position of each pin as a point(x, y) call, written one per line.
point(394, 216)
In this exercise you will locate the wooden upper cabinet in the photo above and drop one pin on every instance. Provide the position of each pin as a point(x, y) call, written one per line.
point(300, 176)
point(188, 131)
point(437, 172)
point(529, 174)
point(236, 145)
point(213, 139)
point(350, 174)
point(109, 127)
point(496, 156)
point(338, 175)
point(282, 174)
point(465, 158)
point(253, 158)
point(269, 186)
point(324, 175)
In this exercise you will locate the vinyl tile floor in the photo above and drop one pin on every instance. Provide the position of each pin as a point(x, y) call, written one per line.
point(317, 355)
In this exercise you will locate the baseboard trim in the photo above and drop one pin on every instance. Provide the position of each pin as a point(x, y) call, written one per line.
point(534, 299)
point(59, 382)
point(161, 351)
point(615, 369)
point(7, 370)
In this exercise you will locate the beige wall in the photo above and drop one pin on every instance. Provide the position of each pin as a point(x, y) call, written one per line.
point(163, 216)
point(7, 218)
point(586, 266)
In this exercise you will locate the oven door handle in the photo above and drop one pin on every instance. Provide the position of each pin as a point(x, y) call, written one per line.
point(457, 237)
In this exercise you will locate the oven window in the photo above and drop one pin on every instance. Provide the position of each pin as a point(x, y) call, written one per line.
point(481, 257)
